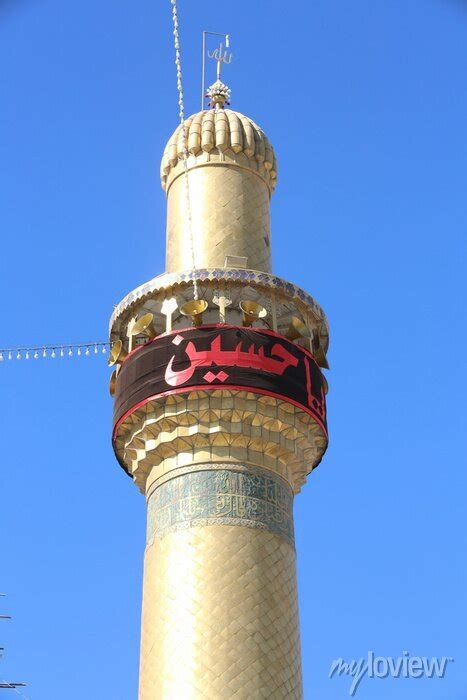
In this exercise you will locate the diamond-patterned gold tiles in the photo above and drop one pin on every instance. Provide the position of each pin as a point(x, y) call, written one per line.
point(220, 617)
point(229, 216)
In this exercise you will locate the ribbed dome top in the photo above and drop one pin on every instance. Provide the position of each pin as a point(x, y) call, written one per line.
point(220, 130)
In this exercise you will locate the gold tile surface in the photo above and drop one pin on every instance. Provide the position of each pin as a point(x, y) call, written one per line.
point(220, 616)
point(229, 215)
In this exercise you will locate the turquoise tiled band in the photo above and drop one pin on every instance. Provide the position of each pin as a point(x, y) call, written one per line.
point(221, 497)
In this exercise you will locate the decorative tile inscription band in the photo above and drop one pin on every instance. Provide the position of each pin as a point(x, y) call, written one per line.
point(221, 497)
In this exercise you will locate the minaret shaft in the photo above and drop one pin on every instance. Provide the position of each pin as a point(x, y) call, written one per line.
point(229, 217)
point(220, 615)
point(219, 416)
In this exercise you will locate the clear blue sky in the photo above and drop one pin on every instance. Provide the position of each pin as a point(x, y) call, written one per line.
point(365, 103)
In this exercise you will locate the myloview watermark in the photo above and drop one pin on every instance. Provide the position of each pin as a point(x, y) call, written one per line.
point(404, 666)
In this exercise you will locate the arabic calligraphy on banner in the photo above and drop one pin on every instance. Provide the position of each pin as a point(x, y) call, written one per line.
point(217, 357)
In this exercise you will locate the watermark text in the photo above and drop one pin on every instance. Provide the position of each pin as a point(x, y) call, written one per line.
point(404, 666)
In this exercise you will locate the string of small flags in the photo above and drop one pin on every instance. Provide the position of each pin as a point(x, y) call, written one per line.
point(53, 351)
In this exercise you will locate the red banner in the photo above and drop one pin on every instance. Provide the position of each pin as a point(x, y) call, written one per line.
point(221, 357)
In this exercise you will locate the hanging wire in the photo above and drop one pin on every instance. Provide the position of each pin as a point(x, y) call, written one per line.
point(181, 113)
point(44, 351)
point(12, 686)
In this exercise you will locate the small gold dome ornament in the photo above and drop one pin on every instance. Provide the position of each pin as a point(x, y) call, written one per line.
point(219, 135)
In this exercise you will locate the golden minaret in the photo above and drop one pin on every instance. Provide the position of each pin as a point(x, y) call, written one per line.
point(219, 416)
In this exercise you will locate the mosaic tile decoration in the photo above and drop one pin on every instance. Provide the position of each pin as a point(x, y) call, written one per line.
point(221, 497)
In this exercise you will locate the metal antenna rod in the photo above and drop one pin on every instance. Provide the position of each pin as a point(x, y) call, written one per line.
point(203, 70)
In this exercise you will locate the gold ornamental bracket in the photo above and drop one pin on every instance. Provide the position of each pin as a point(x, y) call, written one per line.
point(166, 283)
point(223, 289)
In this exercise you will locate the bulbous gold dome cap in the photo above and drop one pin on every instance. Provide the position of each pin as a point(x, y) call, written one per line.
point(220, 135)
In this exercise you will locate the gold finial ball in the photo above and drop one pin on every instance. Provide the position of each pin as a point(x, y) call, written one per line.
point(219, 95)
